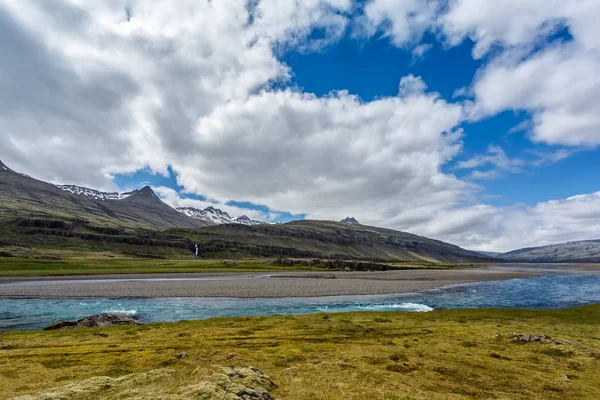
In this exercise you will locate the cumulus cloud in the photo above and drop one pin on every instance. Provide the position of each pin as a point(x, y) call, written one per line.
point(328, 156)
point(404, 22)
point(92, 89)
point(555, 221)
point(112, 86)
point(558, 84)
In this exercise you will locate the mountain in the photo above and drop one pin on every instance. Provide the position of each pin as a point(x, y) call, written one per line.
point(94, 194)
point(350, 220)
point(24, 197)
point(322, 239)
point(216, 216)
point(38, 214)
point(580, 251)
point(211, 214)
point(244, 220)
point(490, 253)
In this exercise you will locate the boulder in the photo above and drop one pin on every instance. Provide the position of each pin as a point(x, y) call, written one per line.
point(106, 319)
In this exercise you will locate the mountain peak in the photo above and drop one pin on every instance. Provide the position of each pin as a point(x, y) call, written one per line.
point(147, 190)
point(146, 196)
point(4, 168)
point(350, 220)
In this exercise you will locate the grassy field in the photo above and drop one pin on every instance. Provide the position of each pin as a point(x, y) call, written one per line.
point(445, 354)
point(65, 262)
point(121, 265)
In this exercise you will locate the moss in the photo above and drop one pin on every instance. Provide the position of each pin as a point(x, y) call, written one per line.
point(310, 357)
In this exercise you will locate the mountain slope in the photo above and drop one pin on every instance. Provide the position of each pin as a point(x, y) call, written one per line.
point(581, 251)
point(94, 194)
point(23, 196)
point(323, 239)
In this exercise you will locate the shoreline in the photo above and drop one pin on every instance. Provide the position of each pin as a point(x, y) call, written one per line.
point(253, 285)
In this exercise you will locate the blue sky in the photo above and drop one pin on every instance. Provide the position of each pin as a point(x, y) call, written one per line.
point(474, 125)
point(371, 68)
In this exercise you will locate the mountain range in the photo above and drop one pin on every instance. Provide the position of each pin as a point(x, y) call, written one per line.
point(37, 213)
point(211, 215)
point(33, 212)
point(585, 251)
point(26, 197)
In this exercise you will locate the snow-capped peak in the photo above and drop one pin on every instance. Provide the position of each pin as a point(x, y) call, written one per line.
point(216, 216)
point(94, 194)
point(244, 220)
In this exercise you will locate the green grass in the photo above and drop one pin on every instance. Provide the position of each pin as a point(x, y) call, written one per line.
point(92, 266)
point(56, 261)
point(445, 354)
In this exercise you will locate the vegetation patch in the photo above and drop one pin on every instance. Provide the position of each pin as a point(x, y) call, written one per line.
point(310, 357)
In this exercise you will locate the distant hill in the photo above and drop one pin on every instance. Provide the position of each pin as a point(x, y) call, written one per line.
point(323, 239)
point(581, 251)
point(350, 220)
point(490, 253)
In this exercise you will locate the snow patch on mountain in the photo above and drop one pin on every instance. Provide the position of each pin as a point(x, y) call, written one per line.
point(244, 220)
point(209, 214)
point(94, 194)
point(216, 216)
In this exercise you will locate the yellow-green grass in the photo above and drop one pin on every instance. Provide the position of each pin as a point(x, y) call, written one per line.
point(68, 262)
point(106, 265)
point(445, 354)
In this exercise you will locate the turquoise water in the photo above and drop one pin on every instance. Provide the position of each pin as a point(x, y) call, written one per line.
point(550, 291)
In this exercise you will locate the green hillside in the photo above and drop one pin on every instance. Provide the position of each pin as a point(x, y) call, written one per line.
point(323, 239)
point(35, 214)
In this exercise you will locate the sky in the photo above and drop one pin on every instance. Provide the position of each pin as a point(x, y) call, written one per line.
point(476, 123)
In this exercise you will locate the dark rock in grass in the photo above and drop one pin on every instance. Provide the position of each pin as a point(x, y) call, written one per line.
point(517, 337)
point(95, 321)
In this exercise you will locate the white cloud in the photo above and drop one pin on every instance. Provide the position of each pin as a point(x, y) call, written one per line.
point(90, 89)
point(329, 157)
point(555, 221)
point(404, 22)
point(113, 86)
point(559, 85)
point(420, 51)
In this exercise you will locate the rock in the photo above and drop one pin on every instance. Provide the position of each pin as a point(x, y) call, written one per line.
point(247, 383)
point(517, 337)
point(497, 335)
point(181, 355)
point(95, 321)
point(220, 383)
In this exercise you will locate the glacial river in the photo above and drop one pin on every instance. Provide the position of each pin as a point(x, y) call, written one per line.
point(554, 290)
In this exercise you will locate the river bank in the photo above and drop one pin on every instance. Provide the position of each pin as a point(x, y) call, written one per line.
point(444, 354)
point(253, 285)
